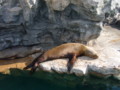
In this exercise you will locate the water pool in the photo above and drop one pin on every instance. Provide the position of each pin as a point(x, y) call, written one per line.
point(46, 81)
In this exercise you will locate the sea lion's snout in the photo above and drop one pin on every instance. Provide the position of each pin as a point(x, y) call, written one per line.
point(91, 53)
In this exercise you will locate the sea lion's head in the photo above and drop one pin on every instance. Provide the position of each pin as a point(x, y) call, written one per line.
point(90, 52)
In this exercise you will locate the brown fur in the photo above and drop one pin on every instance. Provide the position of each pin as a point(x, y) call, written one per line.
point(69, 50)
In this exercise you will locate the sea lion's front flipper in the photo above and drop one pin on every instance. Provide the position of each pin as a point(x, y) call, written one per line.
point(71, 62)
point(33, 62)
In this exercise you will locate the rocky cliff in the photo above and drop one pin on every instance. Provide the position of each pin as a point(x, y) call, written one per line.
point(28, 22)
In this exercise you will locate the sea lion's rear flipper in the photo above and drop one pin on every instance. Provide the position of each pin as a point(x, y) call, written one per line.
point(31, 64)
point(33, 69)
point(28, 66)
point(71, 62)
point(35, 64)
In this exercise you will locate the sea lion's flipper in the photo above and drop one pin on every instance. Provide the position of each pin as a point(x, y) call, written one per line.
point(31, 64)
point(35, 64)
point(33, 69)
point(71, 62)
point(28, 66)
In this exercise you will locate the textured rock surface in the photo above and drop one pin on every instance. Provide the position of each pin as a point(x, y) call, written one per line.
point(112, 11)
point(27, 22)
point(19, 52)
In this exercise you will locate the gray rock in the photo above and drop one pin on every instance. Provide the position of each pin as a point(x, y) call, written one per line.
point(112, 11)
point(50, 21)
point(19, 52)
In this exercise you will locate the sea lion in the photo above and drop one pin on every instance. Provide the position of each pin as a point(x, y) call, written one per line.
point(19, 52)
point(69, 50)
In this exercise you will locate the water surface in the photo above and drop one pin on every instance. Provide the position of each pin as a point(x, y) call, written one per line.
point(47, 81)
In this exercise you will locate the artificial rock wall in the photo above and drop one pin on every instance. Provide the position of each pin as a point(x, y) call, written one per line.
point(28, 22)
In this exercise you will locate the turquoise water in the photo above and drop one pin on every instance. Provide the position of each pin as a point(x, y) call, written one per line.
point(46, 81)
